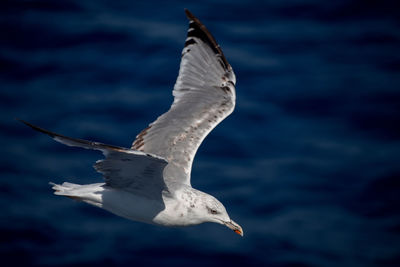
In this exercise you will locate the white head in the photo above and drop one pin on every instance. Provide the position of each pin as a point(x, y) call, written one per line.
point(203, 207)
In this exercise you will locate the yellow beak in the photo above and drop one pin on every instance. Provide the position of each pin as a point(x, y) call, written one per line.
point(235, 227)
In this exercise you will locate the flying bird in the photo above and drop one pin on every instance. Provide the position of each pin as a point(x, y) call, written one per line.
point(150, 182)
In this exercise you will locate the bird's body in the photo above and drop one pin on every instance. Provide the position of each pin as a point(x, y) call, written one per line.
point(138, 208)
point(150, 182)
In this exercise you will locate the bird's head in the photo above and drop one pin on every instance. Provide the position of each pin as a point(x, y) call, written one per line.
point(213, 211)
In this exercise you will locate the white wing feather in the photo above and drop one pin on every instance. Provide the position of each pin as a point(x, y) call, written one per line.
point(204, 94)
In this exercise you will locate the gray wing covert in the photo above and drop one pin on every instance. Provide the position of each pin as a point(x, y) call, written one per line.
point(133, 172)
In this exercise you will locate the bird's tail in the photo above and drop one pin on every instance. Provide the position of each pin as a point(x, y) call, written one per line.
point(66, 189)
point(89, 193)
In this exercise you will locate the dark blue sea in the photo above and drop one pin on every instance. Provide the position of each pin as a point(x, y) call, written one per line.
point(308, 163)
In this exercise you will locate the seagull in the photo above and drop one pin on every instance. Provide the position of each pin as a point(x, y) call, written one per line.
point(150, 182)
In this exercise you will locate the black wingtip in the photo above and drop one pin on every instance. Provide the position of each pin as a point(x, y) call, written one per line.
point(200, 31)
point(37, 128)
point(189, 14)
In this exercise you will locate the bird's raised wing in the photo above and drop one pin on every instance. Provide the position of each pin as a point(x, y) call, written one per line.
point(204, 94)
point(122, 168)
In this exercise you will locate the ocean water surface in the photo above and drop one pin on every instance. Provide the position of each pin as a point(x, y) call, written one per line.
point(308, 163)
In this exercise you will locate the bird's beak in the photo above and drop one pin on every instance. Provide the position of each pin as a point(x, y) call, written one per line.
point(235, 227)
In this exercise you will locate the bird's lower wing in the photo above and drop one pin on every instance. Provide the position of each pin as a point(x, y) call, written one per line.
point(122, 168)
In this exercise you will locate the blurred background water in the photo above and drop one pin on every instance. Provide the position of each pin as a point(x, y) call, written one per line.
point(308, 163)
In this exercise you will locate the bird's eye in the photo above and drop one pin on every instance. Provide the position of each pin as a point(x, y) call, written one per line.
point(213, 211)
